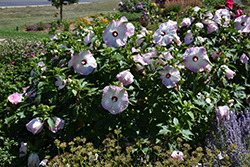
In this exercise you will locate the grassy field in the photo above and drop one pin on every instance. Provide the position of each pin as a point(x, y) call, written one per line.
point(10, 18)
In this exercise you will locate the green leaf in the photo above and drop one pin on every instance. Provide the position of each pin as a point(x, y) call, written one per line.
point(175, 121)
point(51, 122)
point(191, 114)
point(74, 92)
point(145, 150)
point(186, 134)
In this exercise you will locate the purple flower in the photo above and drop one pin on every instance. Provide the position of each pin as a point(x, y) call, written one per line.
point(125, 77)
point(229, 72)
point(222, 14)
point(23, 149)
point(212, 26)
point(186, 22)
point(188, 37)
point(170, 76)
point(148, 56)
point(196, 8)
point(35, 126)
point(117, 32)
point(242, 23)
point(223, 112)
point(15, 98)
point(195, 58)
point(177, 155)
point(208, 15)
point(114, 99)
point(59, 124)
point(141, 35)
point(166, 33)
point(41, 64)
point(244, 59)
point(60, 83)
point(83, 63)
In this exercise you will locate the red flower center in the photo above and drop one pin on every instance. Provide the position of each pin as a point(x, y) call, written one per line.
point(243, 23)
point(222, 16)
point(115, 33)
point(163, 33)
point(114, 99)
point(62, 83)
point(84, 62)
point(168, 75)
point(195, 58)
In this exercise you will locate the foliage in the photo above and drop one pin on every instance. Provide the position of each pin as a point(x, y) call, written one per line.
point(212, 3)
point(166, 114)
point(53, 28)
point(5, 146)
point(66, 25)
point(143, 153)
point(41, 26)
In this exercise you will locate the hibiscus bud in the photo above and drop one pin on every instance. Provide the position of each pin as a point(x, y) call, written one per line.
point(23, 149)
point(15, 98)
point(33, 160)
point(125, 77)
point(35, 126)
point(223, 112)
point(59, 124)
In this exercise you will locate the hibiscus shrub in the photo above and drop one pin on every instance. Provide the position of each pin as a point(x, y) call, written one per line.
point(119, 75)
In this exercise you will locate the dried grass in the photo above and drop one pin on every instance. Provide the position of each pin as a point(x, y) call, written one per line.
point(185, 4)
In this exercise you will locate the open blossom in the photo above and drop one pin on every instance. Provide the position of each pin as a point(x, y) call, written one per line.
point(33, 160)
point(166, 33)
point(222, 14)
point(15, 98)
point(177, 155)
point(60, 83)
point(186, 22)
point(148, 56)
point(125, 77)
point(195, 58)
point(83, 63)
point(229, 73)
point(223, 112)
point(188, 37)
point(43, 162)
point(196, 8)
point(244, 59)
point(170, 76)
point(117, 32)
point(212, 26)
point(23, 149)
point(35, 126)
point(208, 15)
point(59, 124)
point(114, 99)
point(242, 23)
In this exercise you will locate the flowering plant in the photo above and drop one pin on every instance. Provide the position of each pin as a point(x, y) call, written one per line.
point(174, 89)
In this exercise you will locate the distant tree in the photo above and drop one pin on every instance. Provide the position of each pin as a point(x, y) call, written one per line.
point(60, 3)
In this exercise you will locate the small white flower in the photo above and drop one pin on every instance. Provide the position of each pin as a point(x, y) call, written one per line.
point(60, 83)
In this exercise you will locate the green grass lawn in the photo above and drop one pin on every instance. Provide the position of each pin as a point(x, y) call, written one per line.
point(10, 18)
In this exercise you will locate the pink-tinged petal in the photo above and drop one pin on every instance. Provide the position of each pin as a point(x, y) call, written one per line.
point(199, 25)
point(148, 56)
point(130, 29)
point(196, 8)
point(83, 63)
point(230, 4)
point(242, 23)
point(222, 14)
point(244, 59)
point(30, 93)
point(195, 58)
point(208, 15)
point(165, 33)
point(186, 22)
point(15, 98)
point(223, 112)
point(114, 99)
point(229, 73)
point(188, 37)
point(177, 155)
point(123, 19)
point(125, 77)
point(59, 124)
point(170, 76)
point(88, 38)
point(139, 59)
point(35, 126)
